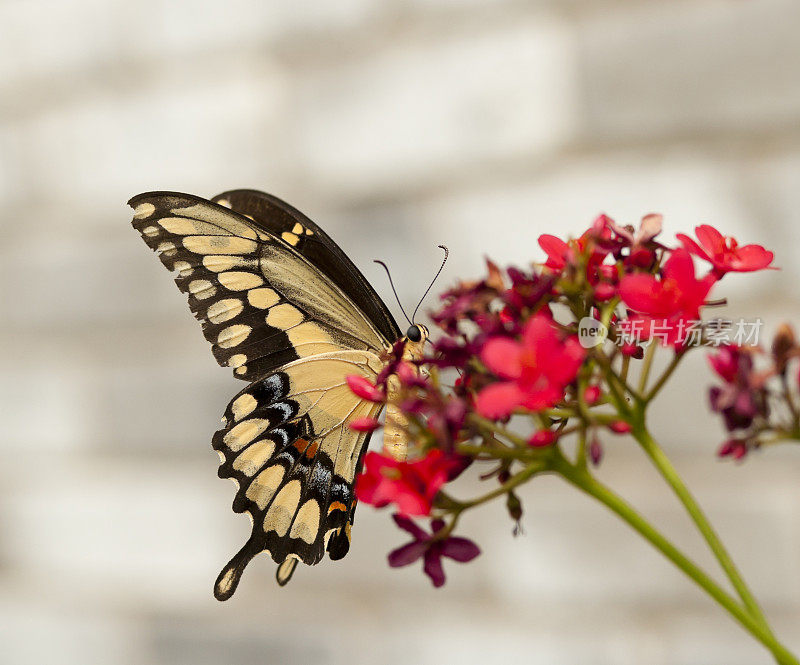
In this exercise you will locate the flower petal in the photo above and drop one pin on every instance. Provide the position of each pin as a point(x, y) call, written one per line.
point(460, 549)
point(407, 554)
point(433, 566)
point(711, 240)
point(407, 524)
point(503, 356)
point(498, 400)
point(637, 291)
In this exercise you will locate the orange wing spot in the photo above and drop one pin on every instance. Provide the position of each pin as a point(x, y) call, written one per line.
point(300, 445)
point(336, 505)
point(311, 451)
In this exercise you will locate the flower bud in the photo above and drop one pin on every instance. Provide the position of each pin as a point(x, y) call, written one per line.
point(604, 291)
point(591, 394)
point(784, 345)
point(620, 427)
point(542, 438)
point(595, 451)
point(364, 388)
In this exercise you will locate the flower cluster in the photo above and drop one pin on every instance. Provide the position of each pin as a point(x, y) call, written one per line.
point(758, 394)
point(508, 347)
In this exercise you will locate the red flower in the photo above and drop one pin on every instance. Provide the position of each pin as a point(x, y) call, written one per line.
point(411, 486)
point(535, 370)
point(671, 304)
point(724, 253)
point(559, 253)
point(432, 550)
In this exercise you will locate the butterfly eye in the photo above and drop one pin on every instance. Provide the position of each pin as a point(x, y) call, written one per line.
point(414, 334)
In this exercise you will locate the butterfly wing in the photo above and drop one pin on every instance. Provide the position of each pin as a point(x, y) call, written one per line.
point(316, 246)
point(281, 322)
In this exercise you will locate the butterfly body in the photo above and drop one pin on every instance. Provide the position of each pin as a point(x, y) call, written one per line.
point(395, 430)
point(288, 312)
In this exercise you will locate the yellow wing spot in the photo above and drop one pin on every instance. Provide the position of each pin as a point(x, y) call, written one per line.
point(284, 316)
point(298, 228)
point(218, 263)
point(239, 281)
point(224, 310)
point(310, 339)
point(241, 370)
point(243, 433)
point(151, 231)
point(306, 523)
point(291, 238)
point(263, 298)
point(219, 245)
point(184, 269)
point(202, 288)
point(253, 458)
point(263, 487)
point(185, 226)
point(243, 405)
point(233, 335)
point(237, 360)
point(309, 232)
point(143, 210)
point(282, 510)
point(166, 248)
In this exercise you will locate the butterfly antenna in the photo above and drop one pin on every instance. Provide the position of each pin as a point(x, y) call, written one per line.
point(433, 281)
point(396, 297)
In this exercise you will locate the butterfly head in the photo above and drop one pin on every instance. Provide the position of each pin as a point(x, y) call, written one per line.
point(417, 333)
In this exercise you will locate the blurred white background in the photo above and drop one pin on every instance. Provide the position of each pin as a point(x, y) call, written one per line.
point(396, 126)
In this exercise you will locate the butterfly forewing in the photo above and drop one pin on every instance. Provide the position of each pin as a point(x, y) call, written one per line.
point(282, 322)
point(316, 246)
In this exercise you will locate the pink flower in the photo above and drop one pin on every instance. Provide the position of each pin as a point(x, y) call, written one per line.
point(724, 253)
point(534, 371)
point(411, 486)
point(671, 304)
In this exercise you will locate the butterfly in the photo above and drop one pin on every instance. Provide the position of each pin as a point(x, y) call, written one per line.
point(289, 312)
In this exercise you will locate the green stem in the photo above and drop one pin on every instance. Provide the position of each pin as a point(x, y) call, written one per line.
point(665, 376)
point(648, 363)
point(513, 482)
point(585, 482)
point(670, 474)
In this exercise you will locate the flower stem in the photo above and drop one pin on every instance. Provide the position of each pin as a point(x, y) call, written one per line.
point(648, 363)
point(665, 376)
point(515, 481)
point(670, 475)
point(581, 479)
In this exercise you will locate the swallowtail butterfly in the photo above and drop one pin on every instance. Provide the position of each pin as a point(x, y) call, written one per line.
point(283, 306)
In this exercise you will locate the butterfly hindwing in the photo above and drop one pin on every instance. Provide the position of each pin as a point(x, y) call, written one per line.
point(283, 306)
point(287, 444)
